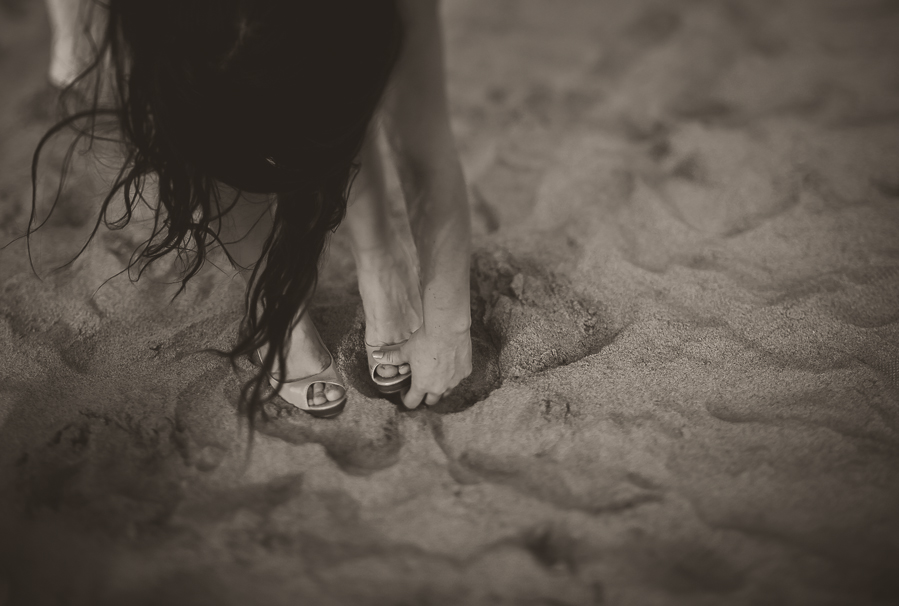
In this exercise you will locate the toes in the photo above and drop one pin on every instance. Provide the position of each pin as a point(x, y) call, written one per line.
point(405, 369)
point(333, 392)
point(324, 393)
point(386, 370)
point(318, 394)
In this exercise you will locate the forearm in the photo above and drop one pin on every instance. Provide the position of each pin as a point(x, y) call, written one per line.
point(416, 115)
point(442, 231)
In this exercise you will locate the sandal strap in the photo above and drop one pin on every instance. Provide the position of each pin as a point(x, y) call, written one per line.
point(300, 387)
point(373, 364)
point(296, 391)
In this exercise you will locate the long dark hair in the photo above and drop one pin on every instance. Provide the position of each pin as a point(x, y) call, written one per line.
point(265, 96)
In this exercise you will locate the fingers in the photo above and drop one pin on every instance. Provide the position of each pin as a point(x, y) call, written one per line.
point(394, 357)
point(413, 397)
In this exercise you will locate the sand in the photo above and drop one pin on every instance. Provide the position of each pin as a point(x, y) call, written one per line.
point(685, 291)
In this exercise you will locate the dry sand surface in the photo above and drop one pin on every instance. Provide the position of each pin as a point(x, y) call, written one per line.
point(685, 290)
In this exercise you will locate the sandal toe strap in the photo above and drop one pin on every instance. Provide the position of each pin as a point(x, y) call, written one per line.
point(373, 363)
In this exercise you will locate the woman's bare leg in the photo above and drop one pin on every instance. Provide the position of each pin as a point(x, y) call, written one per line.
point(73, 23)
point(388, 279)
point(244, 231)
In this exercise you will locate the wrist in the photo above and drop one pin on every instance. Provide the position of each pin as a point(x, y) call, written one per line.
point(448, 321)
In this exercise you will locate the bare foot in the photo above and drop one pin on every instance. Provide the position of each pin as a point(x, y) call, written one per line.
point(388, 283)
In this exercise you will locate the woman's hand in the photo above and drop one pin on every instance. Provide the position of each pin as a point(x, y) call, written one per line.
point(416, 117)
point(440, 358)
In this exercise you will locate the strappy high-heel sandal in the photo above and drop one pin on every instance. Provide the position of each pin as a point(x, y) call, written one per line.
point(386, 385)
point(296, 391)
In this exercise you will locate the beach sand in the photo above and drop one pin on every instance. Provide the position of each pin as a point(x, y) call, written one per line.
point(685, 295)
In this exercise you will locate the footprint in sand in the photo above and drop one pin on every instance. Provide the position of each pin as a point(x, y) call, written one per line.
point(533, 317)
